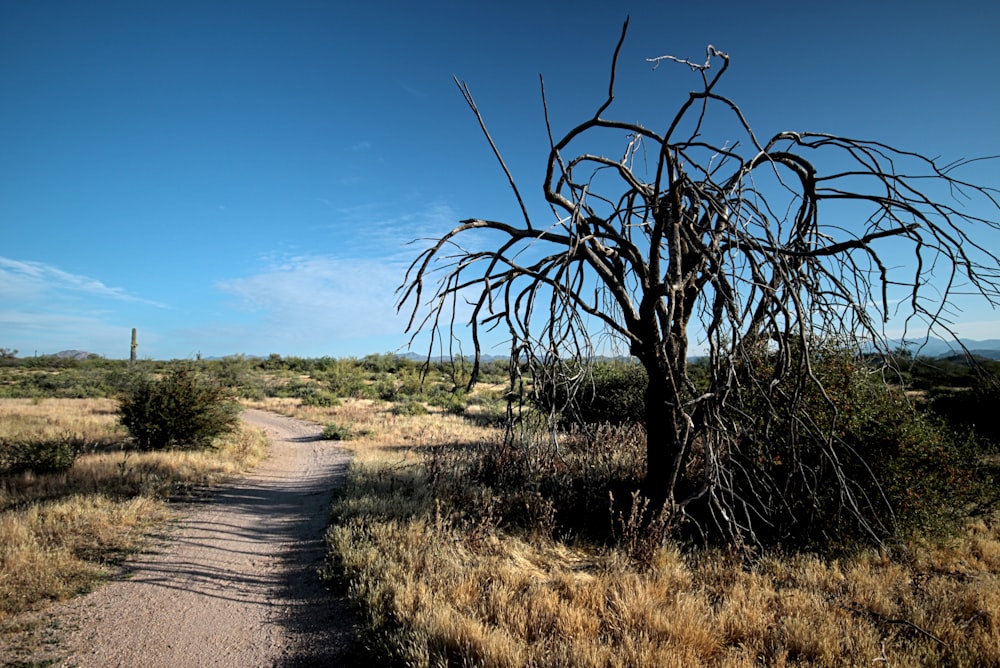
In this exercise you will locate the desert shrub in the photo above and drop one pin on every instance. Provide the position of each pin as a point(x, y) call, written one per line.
point(239, 374)
point(336, 432)
point(345, 378)
point(410, 408)
point(530, 483)
point(452, 400)
point(495, 372)
point(295, 388)
point(609, 392)
point(313, 396)
point(183, 409)
point(65, 379)
point(907, 471)
point(410, 382)
point(486, 409)
point(385, 363)
point(975, 408)
point(51, 456)
point(386, 388)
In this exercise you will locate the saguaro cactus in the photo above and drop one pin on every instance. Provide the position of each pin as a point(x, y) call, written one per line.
point(131, 359)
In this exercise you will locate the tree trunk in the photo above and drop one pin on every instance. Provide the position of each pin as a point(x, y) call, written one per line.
point(662, 437)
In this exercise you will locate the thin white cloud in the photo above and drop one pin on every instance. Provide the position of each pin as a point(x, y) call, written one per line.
point(413, 92)
point(27, 279)
point(315, 297)
point(297, 301)
point(373, 229)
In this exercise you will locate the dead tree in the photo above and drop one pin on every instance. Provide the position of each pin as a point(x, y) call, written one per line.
point(742, 246)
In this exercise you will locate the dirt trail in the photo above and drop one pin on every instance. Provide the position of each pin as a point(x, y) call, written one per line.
point(235, 582)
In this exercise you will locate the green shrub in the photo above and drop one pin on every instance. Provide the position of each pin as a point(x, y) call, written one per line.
point(611, 392)
point(386, 388)
point(181, 410)
point(323, 399)
point(239, 374)
point(66, 379)
point(452, 400)
point(907, 471)
point(345, 378)
point(335, 432)
point(410, 408)
point(975, 408)
point(39, 457)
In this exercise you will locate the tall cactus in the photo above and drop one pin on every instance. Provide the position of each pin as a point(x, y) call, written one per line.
point(131, 359)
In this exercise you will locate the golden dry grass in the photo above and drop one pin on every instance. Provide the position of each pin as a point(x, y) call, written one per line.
point(89, 420)
point(60, 532)
point(377, 428)
point(437, 590)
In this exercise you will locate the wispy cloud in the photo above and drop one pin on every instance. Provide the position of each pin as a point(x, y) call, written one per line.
point(317, 297)
point(413, 92)
point(26, 279)
point(374, 229)
point(297, 301)
point(360, 146)
point(46, 309)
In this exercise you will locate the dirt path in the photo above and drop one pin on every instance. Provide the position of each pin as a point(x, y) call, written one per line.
point(235, 582)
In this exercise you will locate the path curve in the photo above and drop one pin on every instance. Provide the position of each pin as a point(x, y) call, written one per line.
point(235, 582)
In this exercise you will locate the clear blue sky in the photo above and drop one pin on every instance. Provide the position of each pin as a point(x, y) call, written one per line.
point(242, 177)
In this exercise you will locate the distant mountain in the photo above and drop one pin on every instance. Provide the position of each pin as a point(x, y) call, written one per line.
point(989, 348)
point(75, 354)
point(417, 357)
point(934, 347)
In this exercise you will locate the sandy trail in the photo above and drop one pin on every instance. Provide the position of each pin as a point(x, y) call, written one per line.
point(235, 582)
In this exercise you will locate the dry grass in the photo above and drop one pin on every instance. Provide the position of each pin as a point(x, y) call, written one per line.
point(377, 428)
point(443, 587)
point(87, 420)
point(60, 532)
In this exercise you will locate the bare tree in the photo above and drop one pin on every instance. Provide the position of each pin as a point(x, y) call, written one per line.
point(742, 246)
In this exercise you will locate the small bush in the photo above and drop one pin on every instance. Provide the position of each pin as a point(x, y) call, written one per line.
point(612, 393)
point(181, 410)
point(976, 408)
point(40, 457)
point(452, 401)
point(908, 471)
point(320, 399)
point(386, 389)
point(410, 408)
point(335, 432)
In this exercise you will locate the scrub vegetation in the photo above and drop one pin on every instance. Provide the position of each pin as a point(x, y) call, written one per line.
point(468, 535)
point(462, 546)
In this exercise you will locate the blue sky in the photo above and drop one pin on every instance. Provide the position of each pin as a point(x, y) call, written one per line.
point(243, 177)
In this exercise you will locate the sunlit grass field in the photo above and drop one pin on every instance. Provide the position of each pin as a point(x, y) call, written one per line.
point(440, 586)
